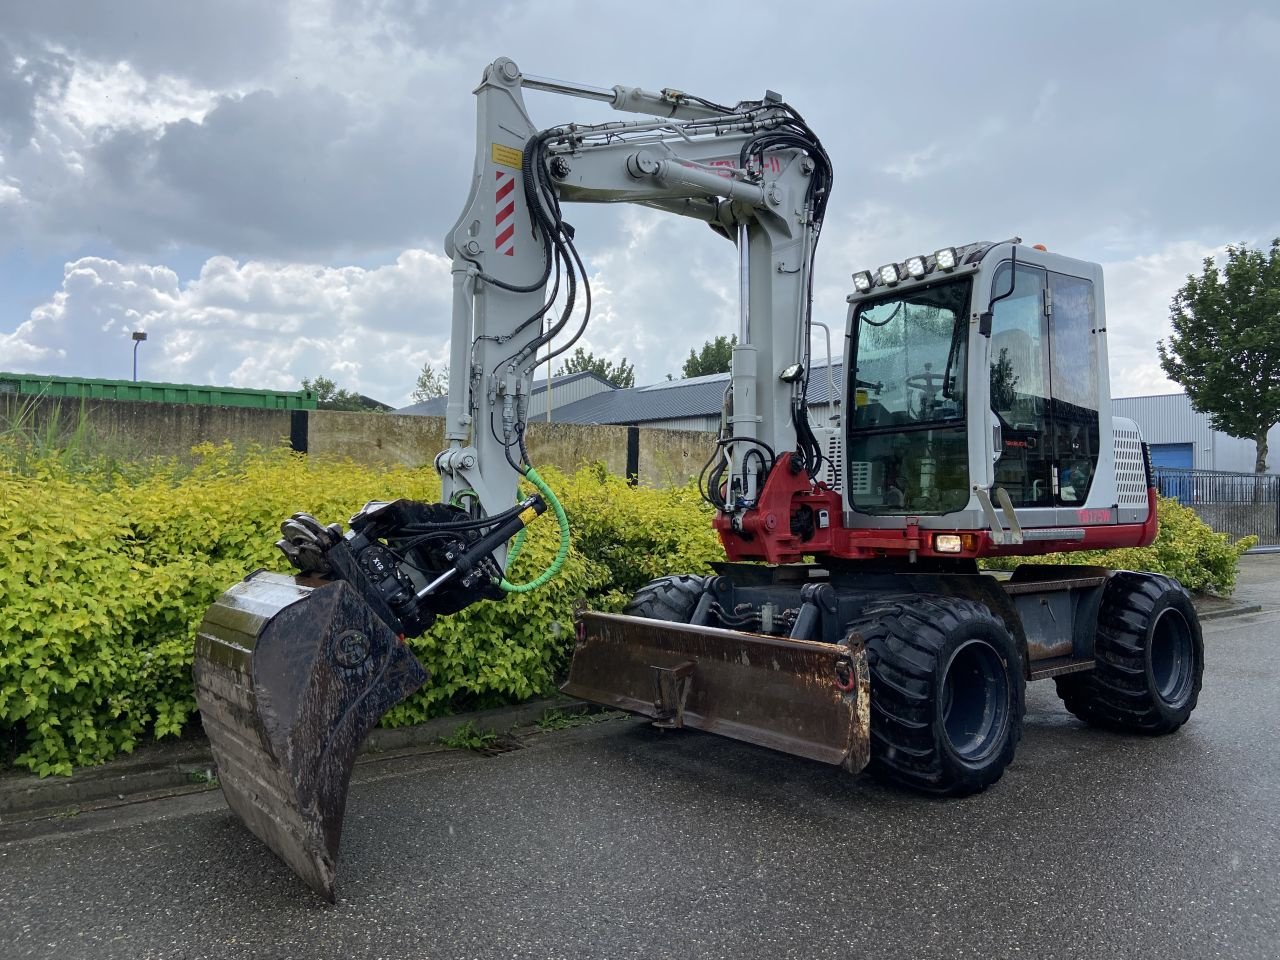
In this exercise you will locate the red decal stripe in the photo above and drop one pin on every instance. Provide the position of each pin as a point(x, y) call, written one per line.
point(505, 189)
point(505, 212)
point(505, 235)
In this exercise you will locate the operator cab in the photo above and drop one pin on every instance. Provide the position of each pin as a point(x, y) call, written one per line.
point(978, 367)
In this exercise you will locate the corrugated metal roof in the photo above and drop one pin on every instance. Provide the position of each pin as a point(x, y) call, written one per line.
point(676, 399)
point(435, 407)
point(668, 400)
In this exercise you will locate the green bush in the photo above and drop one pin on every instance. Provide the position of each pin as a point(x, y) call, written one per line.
point(1186, 548)
point(637, 533)
point(107, 574)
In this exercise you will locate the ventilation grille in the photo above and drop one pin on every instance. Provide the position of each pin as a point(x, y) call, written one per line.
point(835, 463)
point(1131, 478)
point(860, 478)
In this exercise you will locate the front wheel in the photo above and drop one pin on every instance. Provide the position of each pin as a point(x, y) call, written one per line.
point(671, 598)
point(1150, 658)
point(947, 693)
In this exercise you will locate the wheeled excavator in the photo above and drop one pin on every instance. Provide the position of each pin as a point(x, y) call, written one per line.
point(849, 622)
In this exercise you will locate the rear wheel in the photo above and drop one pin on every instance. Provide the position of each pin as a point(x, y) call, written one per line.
point(947, 693)
point(667, 598)
point(1150, 658)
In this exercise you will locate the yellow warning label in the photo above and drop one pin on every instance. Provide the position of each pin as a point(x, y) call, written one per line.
point(528, 515)
point(507, 156)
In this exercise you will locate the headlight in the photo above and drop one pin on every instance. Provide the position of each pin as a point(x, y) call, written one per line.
point(889, 274)
point(862, 281)
point(946, 258)
point(946, 542)
point(915, 267)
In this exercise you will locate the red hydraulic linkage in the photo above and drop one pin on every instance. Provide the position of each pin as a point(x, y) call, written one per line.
point(793, 517)
point(796, 517)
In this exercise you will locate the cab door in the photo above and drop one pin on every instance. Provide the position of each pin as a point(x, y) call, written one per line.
point(1044, 390)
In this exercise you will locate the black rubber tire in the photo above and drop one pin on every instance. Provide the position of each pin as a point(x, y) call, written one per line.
point(923, 651)
point(1150, 658)
point(667, 598)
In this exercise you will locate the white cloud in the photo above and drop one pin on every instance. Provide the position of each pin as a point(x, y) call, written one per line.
point(1138, 292)
point(666, 288)
point(250, 324)
point(112, 96)
point(916, 164)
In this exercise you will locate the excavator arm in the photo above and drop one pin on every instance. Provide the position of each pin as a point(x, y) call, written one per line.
point(754, 172)
point(292, 672)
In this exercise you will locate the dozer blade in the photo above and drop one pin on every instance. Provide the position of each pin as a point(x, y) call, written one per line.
point(289, 680)
point(797, 696)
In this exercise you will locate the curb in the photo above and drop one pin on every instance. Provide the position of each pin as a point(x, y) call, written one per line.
point(167, 770)
point(1238, 611)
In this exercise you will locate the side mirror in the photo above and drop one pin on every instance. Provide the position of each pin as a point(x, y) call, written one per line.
point(984, 319)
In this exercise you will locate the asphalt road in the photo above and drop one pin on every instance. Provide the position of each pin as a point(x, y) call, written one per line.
point(616, 840)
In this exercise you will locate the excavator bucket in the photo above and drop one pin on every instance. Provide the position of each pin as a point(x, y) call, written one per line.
point(290, 677)
point(797, 696)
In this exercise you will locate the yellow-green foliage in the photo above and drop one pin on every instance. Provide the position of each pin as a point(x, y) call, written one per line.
point(105, 577)
point(637, 533)
point(1187, 548)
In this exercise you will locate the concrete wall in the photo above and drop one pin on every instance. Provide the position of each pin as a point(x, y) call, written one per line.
point(139, 430)
point(671, 457)
point(136, 430)
point(382, 438)
point(666, 457)
point(569, 446)
point(1241, 520)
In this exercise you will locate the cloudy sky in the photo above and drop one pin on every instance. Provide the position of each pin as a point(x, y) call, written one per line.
point(264, 186)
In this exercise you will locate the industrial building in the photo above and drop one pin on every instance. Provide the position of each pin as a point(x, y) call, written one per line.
point(1182, 438)
point(1179, 437)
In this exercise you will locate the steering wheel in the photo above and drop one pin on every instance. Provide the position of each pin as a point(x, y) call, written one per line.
point(928, 381)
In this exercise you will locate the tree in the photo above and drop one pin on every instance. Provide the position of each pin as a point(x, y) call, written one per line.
point(329, 396)
point(621, 374)
point(1225, 347)
point(714, 357)
point(431, 384)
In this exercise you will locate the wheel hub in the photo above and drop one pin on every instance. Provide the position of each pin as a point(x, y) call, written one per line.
point(1172, 657)
point(975, 700)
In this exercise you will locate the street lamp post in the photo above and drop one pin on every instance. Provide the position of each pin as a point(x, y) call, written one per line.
point(138, 337)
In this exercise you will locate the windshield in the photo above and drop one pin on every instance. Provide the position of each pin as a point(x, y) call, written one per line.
point(910, 360)
point(907, 440)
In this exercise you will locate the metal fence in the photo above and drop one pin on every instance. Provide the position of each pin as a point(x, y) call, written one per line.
point(1237, 504)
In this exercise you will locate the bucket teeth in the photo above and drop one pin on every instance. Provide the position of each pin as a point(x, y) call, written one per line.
point(289, 681)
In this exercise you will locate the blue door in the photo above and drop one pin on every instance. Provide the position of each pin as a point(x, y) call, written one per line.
point(1169, 459)
point(1176, 455)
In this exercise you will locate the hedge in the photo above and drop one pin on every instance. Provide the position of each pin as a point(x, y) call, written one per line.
point(105, 576)
point(1186, 548)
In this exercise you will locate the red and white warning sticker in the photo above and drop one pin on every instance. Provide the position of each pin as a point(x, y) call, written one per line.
point(504, 220)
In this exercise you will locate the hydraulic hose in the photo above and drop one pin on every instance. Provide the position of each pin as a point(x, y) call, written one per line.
point(532, 476)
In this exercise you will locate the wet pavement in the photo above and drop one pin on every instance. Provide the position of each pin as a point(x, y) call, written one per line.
point(617, 840)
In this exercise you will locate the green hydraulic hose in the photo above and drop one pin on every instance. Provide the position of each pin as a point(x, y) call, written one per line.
point(532, 476)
